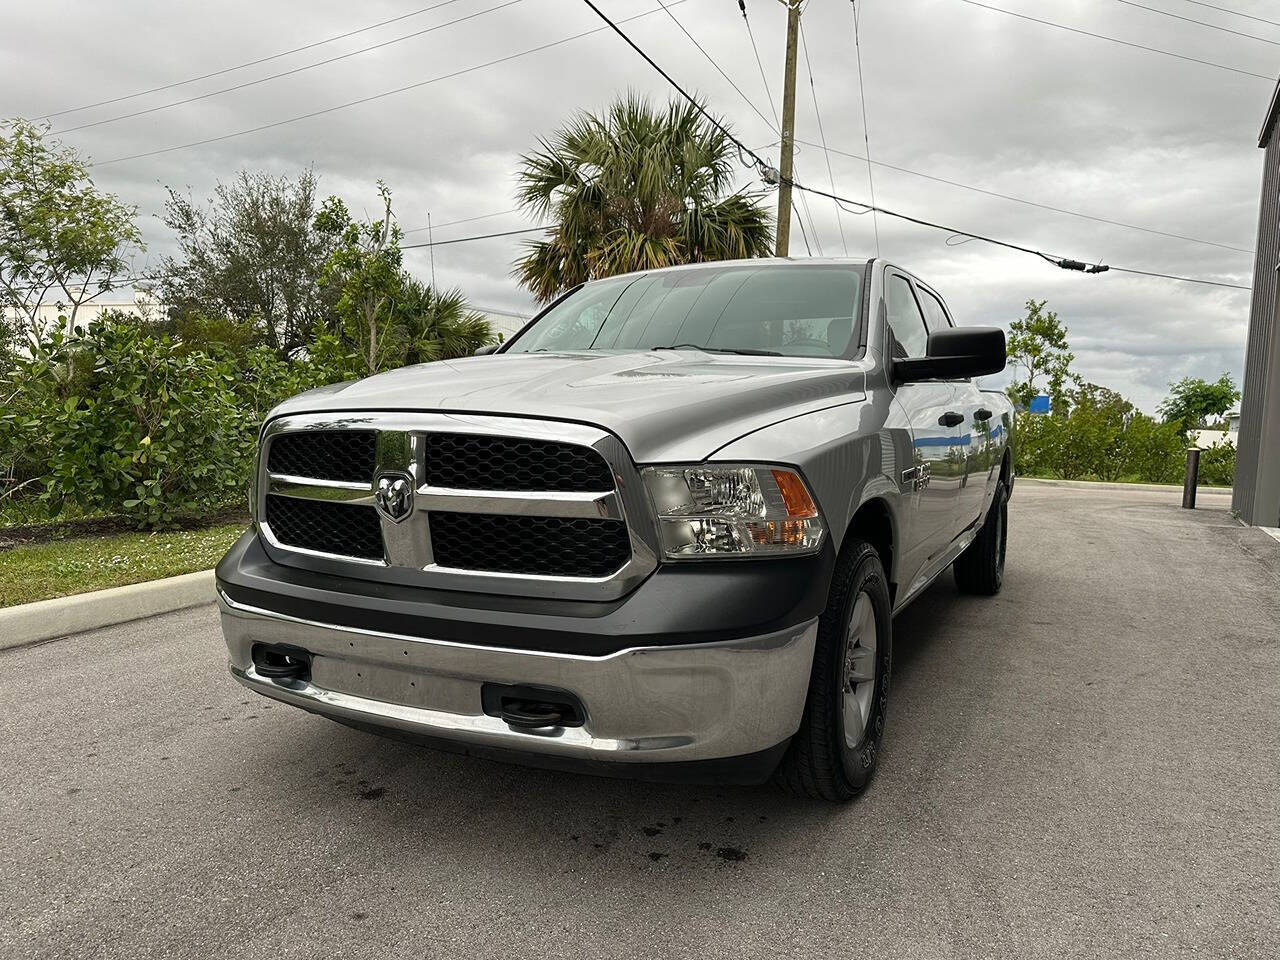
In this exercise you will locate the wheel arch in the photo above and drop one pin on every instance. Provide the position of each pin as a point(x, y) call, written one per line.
point(875, 522)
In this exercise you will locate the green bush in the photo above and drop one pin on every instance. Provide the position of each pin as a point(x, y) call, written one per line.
point(1036, 442)
point(1218, 465)
point(1091, 438)
point(1153, 452)
point(1102, 442)
point(124, 420)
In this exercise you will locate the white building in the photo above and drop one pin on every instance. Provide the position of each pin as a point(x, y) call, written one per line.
point(1212, 438)
point(48, 314)
point(503, 322)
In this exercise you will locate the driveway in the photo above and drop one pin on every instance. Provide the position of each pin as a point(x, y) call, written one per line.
point(1086, 766)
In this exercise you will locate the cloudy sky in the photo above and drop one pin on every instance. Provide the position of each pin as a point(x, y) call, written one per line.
point(954, 90)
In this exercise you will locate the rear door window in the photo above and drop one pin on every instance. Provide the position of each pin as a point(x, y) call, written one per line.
point(906, 325)
point(935, 314)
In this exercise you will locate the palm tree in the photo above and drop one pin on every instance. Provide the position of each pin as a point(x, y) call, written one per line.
point(634, 189)
point(430, 325)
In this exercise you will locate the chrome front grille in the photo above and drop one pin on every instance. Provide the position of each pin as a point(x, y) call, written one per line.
point(508, 505)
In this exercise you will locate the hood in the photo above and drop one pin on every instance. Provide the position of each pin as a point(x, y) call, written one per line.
point(664, 405)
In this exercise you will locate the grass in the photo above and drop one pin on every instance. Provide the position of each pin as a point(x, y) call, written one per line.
point(40, 571)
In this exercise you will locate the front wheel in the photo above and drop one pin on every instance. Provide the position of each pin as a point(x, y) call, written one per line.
point(980, 569)
point(834, 753)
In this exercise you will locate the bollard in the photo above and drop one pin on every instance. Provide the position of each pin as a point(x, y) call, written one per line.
point(1193, 476)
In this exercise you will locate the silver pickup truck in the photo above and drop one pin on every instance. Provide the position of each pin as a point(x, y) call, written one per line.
point(661, 532)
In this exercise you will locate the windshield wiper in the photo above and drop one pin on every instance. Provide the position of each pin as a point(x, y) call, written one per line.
point(745, 352)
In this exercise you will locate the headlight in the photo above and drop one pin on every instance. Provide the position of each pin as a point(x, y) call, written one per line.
point(733, 511)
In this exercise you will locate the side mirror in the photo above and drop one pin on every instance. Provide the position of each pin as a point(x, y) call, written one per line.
point(486, 349)
point(955, 353)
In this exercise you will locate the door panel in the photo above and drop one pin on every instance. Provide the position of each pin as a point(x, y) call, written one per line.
point(975, 442)
point(936, 472)
point(964, 465)
point(932, 481)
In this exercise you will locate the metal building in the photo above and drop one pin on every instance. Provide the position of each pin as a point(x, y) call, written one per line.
point(1257, 481)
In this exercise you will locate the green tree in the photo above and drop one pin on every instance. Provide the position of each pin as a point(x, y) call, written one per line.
point(252, 258)
point(59, 235)
point(430, 325)
point(364, 271)
point(633, 189)
point(385, 317)
point(1192, 401)
point(1092, 434)
point(1039, 354)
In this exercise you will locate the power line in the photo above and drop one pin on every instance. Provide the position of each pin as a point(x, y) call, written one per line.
point(1124, 43)
point(251, 63)
point(742, 147)
point(1203, 23)
point(804, 202)
point(1032, 203)
point(777, 125)
point(747, 100)
point(711, 60)
point(483, 236)
point(1064, 263)
point(451, 223)
point(866, 136)
point(771, 176)
point(795, 209)
point(285, 73)
point(379, 96)
point(1170, 276)
point(831, 177)
point(1237, 13)
point(117, 283)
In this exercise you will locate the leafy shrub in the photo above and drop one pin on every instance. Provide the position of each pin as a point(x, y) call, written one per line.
point(1153, 452)
point(1036, 440)
point(1218, 465)
point(1091, 437)
point(128, 421)
point(1100, 441)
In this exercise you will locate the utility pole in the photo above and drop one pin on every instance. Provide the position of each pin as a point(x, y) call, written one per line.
point(788, 130)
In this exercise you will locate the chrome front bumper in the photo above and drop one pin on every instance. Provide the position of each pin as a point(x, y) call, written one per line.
point(645, 704)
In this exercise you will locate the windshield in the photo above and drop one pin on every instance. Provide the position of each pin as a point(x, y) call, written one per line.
point(794, 310)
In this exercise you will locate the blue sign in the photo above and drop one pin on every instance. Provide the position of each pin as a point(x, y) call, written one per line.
point(1039, 404)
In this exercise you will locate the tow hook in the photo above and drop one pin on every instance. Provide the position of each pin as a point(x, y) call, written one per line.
point(532, 708)
point(280, 663)
point(522, 713)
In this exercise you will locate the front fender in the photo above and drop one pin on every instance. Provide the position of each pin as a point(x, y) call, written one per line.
point(847, 454)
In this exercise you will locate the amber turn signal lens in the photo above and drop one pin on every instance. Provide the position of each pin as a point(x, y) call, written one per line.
point(794, 494)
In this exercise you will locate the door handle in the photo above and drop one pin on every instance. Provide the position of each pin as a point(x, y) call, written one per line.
point(982, 413)
point(951, 419)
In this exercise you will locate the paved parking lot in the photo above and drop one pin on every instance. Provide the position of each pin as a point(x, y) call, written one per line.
point(1086, 766)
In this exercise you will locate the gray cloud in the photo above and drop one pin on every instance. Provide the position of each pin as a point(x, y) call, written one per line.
point(953, 91)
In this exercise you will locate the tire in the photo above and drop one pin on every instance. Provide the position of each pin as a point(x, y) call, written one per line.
point(821, 763)
point(980, 569)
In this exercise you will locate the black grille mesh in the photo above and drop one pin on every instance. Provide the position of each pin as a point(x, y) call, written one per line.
point(351, 530)
point(466, 462)
point(541, 546)
point(325, 454)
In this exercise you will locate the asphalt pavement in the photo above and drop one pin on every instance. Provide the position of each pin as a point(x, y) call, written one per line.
point(1087, 765)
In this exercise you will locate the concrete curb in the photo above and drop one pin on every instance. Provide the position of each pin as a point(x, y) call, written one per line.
point(1098, 485)
point(47, 619)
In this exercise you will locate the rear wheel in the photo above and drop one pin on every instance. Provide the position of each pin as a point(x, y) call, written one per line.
point(980, 569)
point(835, 751)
